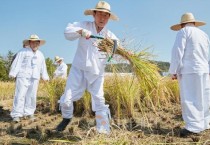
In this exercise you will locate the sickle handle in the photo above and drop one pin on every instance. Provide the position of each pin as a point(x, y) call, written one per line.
point(97, 37)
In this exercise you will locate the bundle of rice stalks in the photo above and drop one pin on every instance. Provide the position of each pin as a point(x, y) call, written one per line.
point(152, 89)
point(143, 68)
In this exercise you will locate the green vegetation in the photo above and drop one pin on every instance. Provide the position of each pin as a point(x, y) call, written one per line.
point(126, 68)
point(5, 63)
point(145, 108)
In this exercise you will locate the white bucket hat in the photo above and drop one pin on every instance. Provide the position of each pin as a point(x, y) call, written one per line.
point(33, 38)
point(103, 7)
point(57, 58)
point(186, 18)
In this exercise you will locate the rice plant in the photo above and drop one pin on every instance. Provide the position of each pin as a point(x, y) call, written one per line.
point(153, 91)
point(83, 106)
point(54, 89)
point(173, 87)
point(7, 90)
point(144, 89)
point(121, 92)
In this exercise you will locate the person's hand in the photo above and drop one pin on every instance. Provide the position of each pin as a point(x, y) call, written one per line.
point(11, 76)
point(44, 80)
point(47, 80)
point(174, 76)
point(86, 33)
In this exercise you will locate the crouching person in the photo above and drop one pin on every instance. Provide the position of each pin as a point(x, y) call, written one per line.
point(87, 71)
point(27, 66)
point(61, 68)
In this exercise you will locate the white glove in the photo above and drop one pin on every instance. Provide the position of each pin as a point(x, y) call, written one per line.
point(86, 33)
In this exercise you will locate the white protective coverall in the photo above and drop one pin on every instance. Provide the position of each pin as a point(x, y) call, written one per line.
point(27, 67)
point(61, 71)
point(190, 62)
point(87, 71)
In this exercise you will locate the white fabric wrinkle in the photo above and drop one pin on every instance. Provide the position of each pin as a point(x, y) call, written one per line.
point(29, 65)
point(61, 71)
point(70, 32)
point(87, 56)
point(16, 65)
point(189, 54)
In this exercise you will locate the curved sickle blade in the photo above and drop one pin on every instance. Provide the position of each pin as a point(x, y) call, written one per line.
point(113, 50)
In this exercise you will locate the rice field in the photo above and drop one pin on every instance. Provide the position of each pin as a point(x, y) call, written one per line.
point(138, 117)
point(145, 109)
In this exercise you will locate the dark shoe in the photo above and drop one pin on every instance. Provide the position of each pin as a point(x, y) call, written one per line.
point(63, 124)
point(184, 133)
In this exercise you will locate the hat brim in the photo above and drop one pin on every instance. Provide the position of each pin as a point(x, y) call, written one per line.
point(59, 59)
point(177, 27)
point(112, 16)
point(26, 42)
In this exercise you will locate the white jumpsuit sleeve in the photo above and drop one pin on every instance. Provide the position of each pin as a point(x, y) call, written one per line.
point(62, 71)
point(16, 65)
point(44, 71)
point(177, 53)
point(56, 73)
point(208, 48)
point(70, 32)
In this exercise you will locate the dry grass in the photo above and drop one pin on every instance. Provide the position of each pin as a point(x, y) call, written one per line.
point(140, 105)
point(153, 90)
point(53, 91)
point(7, 90)
point(131, 124)
point(144, 106)
point(122, 93)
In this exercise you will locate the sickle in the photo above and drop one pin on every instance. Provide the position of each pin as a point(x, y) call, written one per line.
point(113, 49)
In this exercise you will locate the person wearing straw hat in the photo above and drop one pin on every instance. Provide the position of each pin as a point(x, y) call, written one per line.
point(189, 64)
point(87, 71)
point(27, 67)
point(61, 68)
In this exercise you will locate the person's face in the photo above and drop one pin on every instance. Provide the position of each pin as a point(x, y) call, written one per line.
point(34, 45)
point(59, 62)
point(101, 18)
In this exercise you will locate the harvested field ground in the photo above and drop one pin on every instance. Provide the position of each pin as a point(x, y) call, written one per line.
point(160, 127)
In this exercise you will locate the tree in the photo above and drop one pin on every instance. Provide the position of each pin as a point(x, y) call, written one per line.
point(3, 72)
point(8, 60)
point(50, 67)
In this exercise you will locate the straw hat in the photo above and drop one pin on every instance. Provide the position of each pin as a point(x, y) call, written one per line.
point(187, 18)
point(33, 38)
point(103, 7)
point(57, 58)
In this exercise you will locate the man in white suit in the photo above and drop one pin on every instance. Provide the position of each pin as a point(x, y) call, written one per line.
point(27, 67)
point(189, 63)
point(87, 71)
